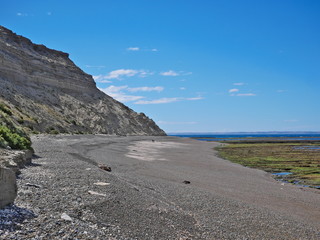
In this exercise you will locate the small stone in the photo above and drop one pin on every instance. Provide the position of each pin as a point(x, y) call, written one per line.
point(33, 185)
point(186, 182)
point(96, 193)
point(66, 217)
point(104, 167)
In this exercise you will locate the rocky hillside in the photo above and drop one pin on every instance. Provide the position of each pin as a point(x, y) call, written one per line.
point(42, 90)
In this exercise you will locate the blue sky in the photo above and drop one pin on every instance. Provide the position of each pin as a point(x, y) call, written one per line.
point(192, 66)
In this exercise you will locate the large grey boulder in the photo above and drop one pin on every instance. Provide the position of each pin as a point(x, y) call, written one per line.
point(10, 164)
point(15, 160)
point(8, 186)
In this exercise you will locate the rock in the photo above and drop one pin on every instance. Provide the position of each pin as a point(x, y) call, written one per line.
point(10, 163)
point(66, 217)
point(15, 159)
point(96, 193)
point(11, 218)
point(50, 94)
point(186, 182)
point(8, 186)
point(104, 167)
point(33, 185)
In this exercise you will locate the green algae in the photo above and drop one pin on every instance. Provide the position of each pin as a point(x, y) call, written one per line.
point(303, 163)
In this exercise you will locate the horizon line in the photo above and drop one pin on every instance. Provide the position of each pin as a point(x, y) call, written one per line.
point(181, 132)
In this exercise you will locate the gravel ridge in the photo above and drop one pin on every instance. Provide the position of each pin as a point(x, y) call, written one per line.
point(63, 194)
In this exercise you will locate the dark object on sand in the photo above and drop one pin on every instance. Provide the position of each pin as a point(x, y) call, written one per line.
point(153, 140)
point(33, 185)
point(104, 167)
point(186, 182)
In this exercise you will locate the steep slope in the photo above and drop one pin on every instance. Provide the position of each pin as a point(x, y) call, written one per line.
point(46, 92)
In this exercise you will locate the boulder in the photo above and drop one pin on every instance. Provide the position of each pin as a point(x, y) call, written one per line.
point(8, 186)
point(10, 164)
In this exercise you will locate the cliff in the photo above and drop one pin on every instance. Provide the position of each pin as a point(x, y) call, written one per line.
point(44, 91)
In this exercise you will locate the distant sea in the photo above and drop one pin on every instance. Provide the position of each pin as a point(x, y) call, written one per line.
point(238, 136)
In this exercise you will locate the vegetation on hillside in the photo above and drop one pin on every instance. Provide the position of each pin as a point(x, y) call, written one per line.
point(10, 134)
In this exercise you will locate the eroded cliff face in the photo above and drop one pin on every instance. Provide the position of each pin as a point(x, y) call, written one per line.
point(46, 92)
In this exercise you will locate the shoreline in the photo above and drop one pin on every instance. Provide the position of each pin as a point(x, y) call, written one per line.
point(145, 197)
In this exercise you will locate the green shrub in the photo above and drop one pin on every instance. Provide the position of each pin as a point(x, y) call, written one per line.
point(54, 131)
point(16, 140)
point(5, 109)
point(21, 121)
point(49, 129)
point(3, 143)
point(35, 119)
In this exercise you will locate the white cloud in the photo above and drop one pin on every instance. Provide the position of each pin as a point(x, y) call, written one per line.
point(117, 93)
point(101, 79)
point(120, 74)
point(194, 98)
point(114, 89)
point(176, 123)
point(170, 73)
point(22, 14)
point(238, 84)
point(167, 100)
point(281, 91)
point(182, 88)
point(158, 101)
point(91, 66)
point(133, 49)
point(233, 90)
point(246, 95)
point(144, 73)
point(146, 89)
point(117, 74)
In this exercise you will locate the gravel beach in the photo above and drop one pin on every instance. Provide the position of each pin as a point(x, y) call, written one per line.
point(158, 188)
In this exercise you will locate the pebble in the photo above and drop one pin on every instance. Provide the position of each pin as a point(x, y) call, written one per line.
point(66, 217)
point(96, 193)
point(101, 184)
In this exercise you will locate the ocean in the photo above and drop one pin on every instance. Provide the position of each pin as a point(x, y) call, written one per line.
point(240, 136)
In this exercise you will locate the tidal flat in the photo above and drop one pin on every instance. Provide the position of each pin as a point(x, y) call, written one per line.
point(299, 160)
